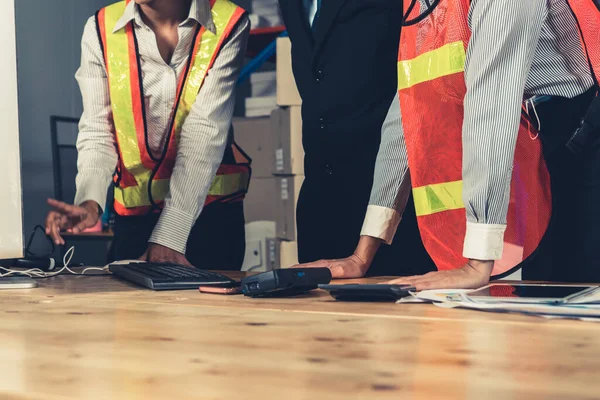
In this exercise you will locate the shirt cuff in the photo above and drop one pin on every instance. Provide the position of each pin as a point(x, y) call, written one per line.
point(173, 229)
point(381, 222)
point(92, 187)
point(484, 241)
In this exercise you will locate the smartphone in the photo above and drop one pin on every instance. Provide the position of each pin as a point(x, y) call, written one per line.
point(17, 282)
point(220, 290)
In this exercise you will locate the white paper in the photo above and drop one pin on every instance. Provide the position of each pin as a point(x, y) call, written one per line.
point(458, 298)
point(591, 311)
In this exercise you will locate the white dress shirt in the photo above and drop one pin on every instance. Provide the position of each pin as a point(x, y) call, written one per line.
point(517, 50)
point(204, 134)
point(310, 7)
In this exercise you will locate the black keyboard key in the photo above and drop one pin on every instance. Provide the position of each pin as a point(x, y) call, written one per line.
point(163, 276)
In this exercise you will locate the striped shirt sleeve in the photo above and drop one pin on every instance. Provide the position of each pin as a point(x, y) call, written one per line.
point(96, 149)
point(499, 56)
point(391, 187)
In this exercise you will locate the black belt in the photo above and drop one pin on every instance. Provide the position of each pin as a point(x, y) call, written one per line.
point(589, 127)
point(565, 121)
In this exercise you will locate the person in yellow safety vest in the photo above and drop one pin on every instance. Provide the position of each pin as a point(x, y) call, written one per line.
point(157, 79)
point(477, 81)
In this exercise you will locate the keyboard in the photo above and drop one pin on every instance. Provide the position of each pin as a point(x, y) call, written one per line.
point(159, 276)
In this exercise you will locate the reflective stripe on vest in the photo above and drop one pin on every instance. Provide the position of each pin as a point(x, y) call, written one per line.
point(447, 60)
point(123, 69)
point(222, 185)
point(431, 199)
point(431, 88)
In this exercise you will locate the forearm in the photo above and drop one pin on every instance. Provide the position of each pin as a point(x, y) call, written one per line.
point(367, 249)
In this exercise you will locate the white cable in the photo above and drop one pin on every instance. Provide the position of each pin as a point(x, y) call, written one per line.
point(38, 273)
point(531, 103)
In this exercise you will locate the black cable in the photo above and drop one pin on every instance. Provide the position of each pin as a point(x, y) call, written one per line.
point(412, 5)
point(28, 251)
point(430, 8)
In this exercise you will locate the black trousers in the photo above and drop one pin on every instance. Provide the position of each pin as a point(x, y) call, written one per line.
point(569, 252)
point(217, 240)
point(330, 215)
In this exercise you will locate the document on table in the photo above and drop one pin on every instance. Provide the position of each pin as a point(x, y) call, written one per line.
point(587, 308)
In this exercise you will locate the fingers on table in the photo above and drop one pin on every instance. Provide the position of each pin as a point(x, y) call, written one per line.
point(315, 264)
point(432, 280)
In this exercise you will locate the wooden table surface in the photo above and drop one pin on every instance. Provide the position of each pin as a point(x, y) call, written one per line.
point(99, 338)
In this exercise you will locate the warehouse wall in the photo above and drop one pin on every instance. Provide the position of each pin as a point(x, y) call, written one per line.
point(48, 52)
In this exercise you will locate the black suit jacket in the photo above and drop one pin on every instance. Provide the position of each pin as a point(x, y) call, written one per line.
point(346, 76)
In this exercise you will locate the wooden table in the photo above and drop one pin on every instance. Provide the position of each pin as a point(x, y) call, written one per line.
point(99, 338)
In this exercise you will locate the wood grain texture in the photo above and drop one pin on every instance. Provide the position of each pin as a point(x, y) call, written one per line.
point(99, 338)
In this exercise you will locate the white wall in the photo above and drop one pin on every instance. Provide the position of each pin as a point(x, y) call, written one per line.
point(11, 239)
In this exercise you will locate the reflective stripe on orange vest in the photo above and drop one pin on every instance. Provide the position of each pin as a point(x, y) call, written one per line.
point(222, 185)
point(136, 163)
point(431, 89)
point(446, 60)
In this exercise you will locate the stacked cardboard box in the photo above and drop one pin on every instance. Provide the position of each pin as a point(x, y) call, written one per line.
point(275, 145)
point(255, 137)
point(286, 122)
point(288, 167)
point(287, 91)
point(264, 14)
point(262, 97)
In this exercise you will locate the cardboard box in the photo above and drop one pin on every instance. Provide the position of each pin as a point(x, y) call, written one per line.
point(255, 137)
point(256, 258)
point(287, 91)
point(288, 188)
point(281, 254)
point(286, 124)
point(261, 200)
point(263, 84)
point(260, 106)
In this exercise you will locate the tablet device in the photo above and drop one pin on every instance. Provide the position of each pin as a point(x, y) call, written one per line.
point(358, 292)
point(529, 293)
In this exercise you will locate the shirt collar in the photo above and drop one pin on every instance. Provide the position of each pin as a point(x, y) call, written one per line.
point(199, 12)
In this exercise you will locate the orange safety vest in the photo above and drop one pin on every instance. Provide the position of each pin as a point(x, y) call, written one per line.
point(587, 14)
point(432, 89)
point(137, 167)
